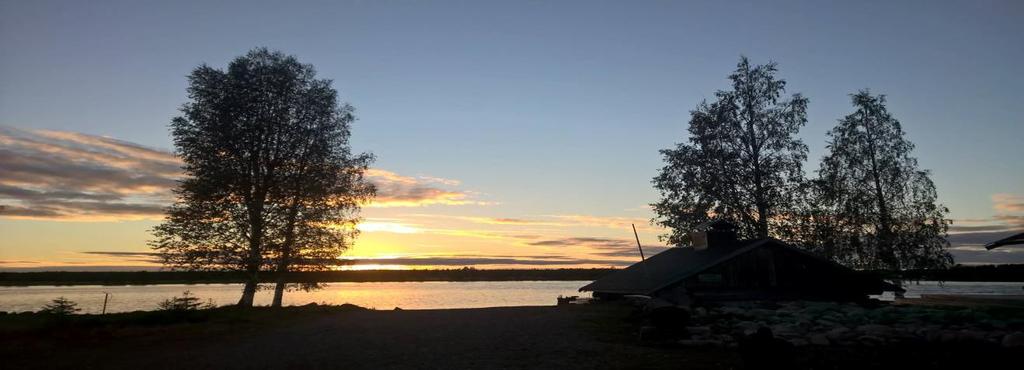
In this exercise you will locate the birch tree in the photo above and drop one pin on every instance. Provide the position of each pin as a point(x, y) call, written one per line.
point(742, 161)
point(880, 211)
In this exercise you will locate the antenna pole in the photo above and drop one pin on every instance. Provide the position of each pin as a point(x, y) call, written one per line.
point(638, 243)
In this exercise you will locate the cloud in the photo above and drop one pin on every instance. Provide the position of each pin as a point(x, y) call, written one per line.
point(608, 247)
point(72, 176)
point(387, 227)
point(1009, 209)
point(617, 223)
point(394, 190)
point(147, 257)
point(69, 176)
point(122, 254)
point(1008, 203)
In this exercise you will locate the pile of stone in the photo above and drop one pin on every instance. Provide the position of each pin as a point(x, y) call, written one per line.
point(845, 324)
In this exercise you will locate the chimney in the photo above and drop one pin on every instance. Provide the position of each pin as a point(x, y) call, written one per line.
point(713, 234)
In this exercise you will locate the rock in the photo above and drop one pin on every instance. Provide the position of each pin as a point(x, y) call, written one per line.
point(870, 340)
point(700, 343)
point(875, 330)
point(651, 333)
point(826, 323)
point(745, 327)
point(798, 342)
point(970, 336)
point(838, 333)
point(998, 324)
point(1013, 340)
point(819, 340)
point(784, 330)
point(668, 317)
point(698, 330)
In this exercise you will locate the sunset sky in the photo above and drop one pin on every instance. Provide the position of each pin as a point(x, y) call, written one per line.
point(507, 134)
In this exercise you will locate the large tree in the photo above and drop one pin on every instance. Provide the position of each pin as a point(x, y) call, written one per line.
point(247, 137)
point(322, 194)
point(742, 162)
point(879, 210)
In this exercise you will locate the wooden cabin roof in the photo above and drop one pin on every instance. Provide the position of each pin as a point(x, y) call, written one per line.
point(1010, 240)
point(675, 264)
point(667, 267)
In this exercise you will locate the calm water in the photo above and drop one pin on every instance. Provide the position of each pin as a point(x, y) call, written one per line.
point(407, 295)
point(915, 290)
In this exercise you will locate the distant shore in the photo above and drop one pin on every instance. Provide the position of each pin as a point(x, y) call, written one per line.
point(982, 273)
point(218, 277)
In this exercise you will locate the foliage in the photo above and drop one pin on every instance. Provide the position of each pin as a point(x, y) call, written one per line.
point(269, 176)
point(876, 208)
point(742, 161)
point(186, 302)
point(61, 307)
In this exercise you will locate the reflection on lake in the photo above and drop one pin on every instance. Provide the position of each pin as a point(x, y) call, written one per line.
point(407, 295)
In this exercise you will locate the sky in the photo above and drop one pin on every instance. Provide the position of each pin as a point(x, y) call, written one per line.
point(507, 133)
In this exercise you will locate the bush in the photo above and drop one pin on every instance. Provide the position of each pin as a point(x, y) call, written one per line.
point(187, 302)
point(61, 307)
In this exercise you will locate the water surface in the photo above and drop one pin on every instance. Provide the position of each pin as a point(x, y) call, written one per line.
point(407, 295)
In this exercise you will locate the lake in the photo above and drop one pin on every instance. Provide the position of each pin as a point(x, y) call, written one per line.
point(407, 295)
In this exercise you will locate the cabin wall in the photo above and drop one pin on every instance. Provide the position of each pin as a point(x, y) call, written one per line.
point(770, 273)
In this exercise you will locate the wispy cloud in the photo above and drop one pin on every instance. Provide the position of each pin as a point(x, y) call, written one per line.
point(608, 247)
point(69, 176)
point(394, 190)
point(72, 176)
point(1008, 203)
point(1009, 215)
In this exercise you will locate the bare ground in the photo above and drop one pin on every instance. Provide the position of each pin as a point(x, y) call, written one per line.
point(573, 337)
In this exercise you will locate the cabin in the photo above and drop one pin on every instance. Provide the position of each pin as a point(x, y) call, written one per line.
point(719, 267)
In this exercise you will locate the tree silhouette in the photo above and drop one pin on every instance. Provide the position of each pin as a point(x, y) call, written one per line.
point(61, 307)
point(742, 161)
point(322, 192)
point(878, 210)
point(248, 137)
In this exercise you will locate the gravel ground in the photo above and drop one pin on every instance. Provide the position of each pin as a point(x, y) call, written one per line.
point(567, 337)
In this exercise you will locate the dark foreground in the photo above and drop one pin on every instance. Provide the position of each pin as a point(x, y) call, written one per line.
point(567, 337)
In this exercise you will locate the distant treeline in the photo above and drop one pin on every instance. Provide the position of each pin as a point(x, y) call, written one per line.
point(204, 277)
point(966, 273)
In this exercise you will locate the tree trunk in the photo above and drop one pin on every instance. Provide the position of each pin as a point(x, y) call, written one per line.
point(885, 243)
point(248, 293)
point(278, 291)
point(286, 253)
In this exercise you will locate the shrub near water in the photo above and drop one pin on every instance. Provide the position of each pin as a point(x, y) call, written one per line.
point(61, 307)
point(187, 302)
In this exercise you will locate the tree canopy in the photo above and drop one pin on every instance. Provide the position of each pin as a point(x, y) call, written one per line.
point(270, 181)
point(878, 209)
point(742, 161)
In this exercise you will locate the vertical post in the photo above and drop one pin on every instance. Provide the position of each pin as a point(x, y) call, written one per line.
point(105, 297)
point(638, 246)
